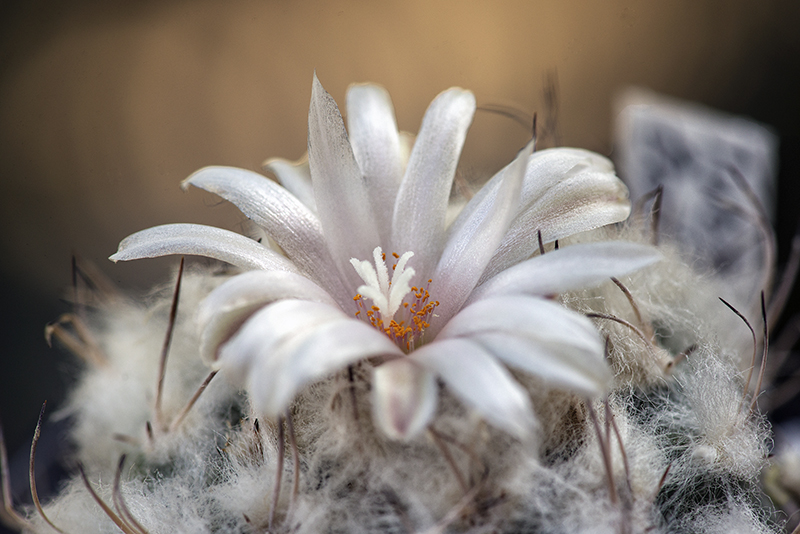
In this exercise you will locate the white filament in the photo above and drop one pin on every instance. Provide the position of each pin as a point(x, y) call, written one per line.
point(385, 294)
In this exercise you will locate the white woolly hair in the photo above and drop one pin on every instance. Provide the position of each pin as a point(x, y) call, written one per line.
point(684, 451)
point(113, 403)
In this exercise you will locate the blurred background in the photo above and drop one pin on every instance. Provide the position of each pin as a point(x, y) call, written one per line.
point(105, 106)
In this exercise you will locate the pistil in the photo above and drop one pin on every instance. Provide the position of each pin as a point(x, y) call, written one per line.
point(401, 318)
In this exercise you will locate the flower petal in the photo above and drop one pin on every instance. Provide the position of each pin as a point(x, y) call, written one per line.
point(376, 146)
point(285, 219)
point(421, 204)
point(229, 305)
point(295, 176)
point(566, 191)
point(404, 397)
point(484, 385)
point(474, 238)
point(581, 371)
point(539, 336)
point(339, 189)
point(538, 318)
point(267, 329)
point(278, 375)
point(201, 240)
point(574, 267)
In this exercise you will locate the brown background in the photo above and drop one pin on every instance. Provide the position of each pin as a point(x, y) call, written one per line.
point(106, 106)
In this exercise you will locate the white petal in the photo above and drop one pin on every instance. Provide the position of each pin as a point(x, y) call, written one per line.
point(339, 189)
point(201, 240)
point(229, 305)
point(404, 397)
point(376, 146)
point(266, 330)
point(285, 219)
point(295, 176)
point(421, 204)
point(581, 371)
point(566, 191)
point(484, 385)
point(539, 319)
point(474, 238)
point(407, 140)
point(539, 336)
point(279, 374)
point(574, 267)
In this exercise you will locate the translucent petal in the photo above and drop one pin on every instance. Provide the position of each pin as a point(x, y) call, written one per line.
point(201, 240)
point(539, 336)
point(295, 176)
point(279, 374)
point(561, 365)
point(537, 318)
point(404, 397)
point(475, 377)
point(376, 146)
point(341, 195)
point(474, 238)
point(266, 330)
point(418, 222)
point(224, 310)
point(285, 219)
point(566, 191)
point(574, 267)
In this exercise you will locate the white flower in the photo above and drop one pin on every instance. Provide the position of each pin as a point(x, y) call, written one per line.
point(455, 302)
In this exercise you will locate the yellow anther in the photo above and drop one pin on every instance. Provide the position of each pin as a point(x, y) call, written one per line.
point(391, 297)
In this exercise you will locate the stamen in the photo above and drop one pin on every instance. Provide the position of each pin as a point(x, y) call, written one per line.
point(389, 296)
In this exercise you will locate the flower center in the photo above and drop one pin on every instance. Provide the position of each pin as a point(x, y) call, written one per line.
point(389, 299)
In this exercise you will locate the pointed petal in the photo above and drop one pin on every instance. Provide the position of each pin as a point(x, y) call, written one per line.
point(574, 267)
point(201, 240)
point(540, 319)
point(285, 219)
point(339, 189)
point(279, 375)
point(295, 176)
point(421, 204)
point(474, 238)
point(539, 336)
point(581, 371)
point(404, 397)
point(566, 191)
point(484, 385)
point(226, 308)
point(376, 146)
point(407, 140)
point(266, 330)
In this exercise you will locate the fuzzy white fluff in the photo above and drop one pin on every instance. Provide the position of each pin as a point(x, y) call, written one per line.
point(216, 474)
point(560, 441)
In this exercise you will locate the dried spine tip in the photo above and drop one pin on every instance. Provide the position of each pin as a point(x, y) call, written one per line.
point(162, 363)
point(101, 503)
point(32, 471)
point(122, 509)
